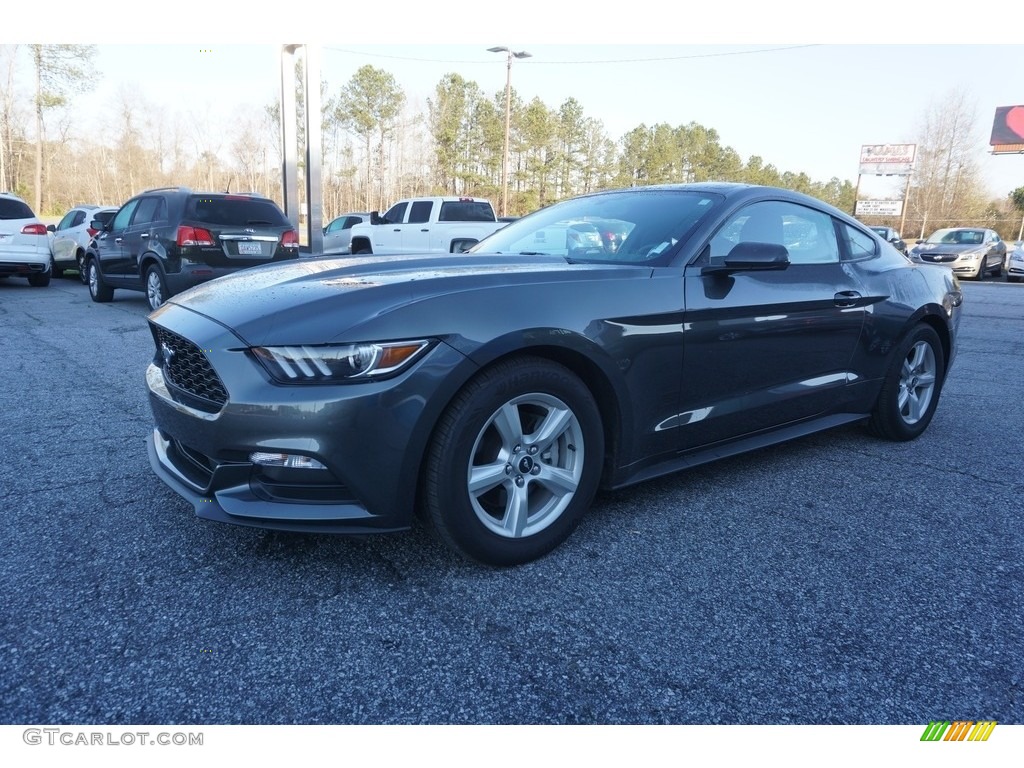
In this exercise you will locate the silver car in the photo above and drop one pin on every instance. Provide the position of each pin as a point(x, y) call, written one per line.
point(338, 234)
point(1014, 264)
point(971, 252)
point(24, 242)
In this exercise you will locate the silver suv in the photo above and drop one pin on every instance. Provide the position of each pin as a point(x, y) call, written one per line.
point(24, 242)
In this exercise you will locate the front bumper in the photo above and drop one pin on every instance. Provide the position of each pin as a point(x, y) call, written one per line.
point(369, 436)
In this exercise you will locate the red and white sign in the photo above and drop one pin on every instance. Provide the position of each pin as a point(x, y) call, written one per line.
point(887, 159)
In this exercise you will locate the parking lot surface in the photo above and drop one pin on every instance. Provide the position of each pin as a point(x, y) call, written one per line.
point(835, 579)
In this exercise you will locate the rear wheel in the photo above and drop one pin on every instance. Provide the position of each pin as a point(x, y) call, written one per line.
point(98, 290)
point(39, 280)
point(514, 463)
point(156, 287)
point(910, 391)
point(83, 273)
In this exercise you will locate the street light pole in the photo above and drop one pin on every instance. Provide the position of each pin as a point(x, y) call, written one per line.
point(508, 118)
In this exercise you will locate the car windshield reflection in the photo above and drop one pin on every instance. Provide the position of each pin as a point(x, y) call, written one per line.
point(624, 228)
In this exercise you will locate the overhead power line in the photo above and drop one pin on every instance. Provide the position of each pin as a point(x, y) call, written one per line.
point(562, 63)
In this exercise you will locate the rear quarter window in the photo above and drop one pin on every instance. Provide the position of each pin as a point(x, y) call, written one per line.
point(466, 211)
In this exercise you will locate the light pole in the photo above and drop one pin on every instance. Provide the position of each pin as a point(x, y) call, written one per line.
point(508, 118)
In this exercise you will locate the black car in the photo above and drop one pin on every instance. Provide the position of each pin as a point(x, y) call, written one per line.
point(497, 390)
point(166, 240)
point(891, 235)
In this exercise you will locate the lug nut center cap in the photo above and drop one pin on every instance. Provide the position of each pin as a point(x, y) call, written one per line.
point(525, 464)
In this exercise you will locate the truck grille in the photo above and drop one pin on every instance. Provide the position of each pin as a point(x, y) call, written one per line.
point(188, 373)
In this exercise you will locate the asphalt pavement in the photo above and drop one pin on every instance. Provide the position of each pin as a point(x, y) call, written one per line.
point(836, 579)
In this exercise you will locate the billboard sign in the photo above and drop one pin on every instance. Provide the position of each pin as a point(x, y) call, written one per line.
point(887, 159)
point(879, 208)
point(1008, 129)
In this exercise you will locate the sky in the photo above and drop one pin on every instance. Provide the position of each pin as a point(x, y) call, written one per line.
point(787, 83)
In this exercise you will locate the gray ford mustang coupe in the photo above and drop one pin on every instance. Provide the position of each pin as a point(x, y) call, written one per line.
point(496, 391)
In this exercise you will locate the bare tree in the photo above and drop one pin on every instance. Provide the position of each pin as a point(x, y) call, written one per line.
point(58, 69)
point(946, 187)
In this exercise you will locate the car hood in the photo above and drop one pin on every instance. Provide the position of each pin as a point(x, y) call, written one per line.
point(947, 248)
point(321, 299)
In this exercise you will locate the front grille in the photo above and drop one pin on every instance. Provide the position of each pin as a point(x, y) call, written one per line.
point(188, 372)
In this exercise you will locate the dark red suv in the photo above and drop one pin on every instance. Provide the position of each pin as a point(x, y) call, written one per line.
point(166, 240)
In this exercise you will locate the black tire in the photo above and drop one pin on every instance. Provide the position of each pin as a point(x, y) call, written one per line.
point(56, 272)
point(998, 272)
point(83, 275)
point(40, 280)
point(1012, 279)
point(156, 287)
point(912, 385)
point(364, 251)
point(99, 291)
point(494, 426)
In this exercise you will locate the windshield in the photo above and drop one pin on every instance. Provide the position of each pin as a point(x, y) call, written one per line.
point(627, 226)
point(957, 237)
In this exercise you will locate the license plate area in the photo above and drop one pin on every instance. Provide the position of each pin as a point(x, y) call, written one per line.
point(250, 248)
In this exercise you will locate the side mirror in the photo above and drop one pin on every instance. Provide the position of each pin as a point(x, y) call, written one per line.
point(752, 256)
point(51, 228)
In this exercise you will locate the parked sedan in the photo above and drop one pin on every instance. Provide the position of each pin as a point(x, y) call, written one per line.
point(338, 234)
point(499, 389)
point(72, 235)
point(968, 251)
point(892, 236)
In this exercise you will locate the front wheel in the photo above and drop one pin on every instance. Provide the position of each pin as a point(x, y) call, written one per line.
point(98, 290)
point(56, 272)
point(910, 391)
point(515, 462)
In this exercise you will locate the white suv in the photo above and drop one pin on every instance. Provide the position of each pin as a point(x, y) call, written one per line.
point(24, 242)
point(71, 237)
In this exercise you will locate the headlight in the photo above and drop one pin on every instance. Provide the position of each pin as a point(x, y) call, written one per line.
point(338, 362)
point(972, 255)
point(1017, 256)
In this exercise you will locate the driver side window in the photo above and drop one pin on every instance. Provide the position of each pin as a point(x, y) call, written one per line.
point(807, 234)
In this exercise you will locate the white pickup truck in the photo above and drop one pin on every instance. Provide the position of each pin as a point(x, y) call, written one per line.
point(426, 224)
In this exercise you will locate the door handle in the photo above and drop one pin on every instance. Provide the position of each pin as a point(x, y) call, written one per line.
point(117, 240)
point(846, 298)
point(424, 230)
point(144, 235)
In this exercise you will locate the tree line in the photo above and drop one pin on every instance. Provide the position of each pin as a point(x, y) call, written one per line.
point(378, 146)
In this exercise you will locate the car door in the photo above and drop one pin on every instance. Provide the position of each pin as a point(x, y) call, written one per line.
point(416, 233)
point(387, 238)
point(63, 243)
point(996, 253)
point(335, 234)
point(109, 243)
point(767, 345)
point(150, 212)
